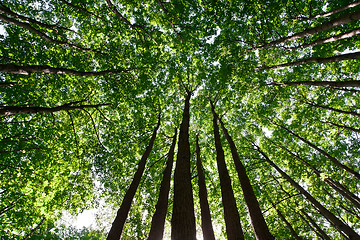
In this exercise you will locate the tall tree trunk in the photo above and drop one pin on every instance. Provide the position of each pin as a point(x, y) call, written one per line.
point(340, 225)
point(231, 214)
point(122, 213)
point(341, 189)
point(350, 83)
point(206, 224)
point(345, 18)
point(292, 230)
point(257, 219)
point(342, 57)
point(343, 126)
point(324, 153)
point(183, 216)
point(322, 233)
point(158, 219)
point(327, 14)
point(13, 110)
point(34, 230)
point(344, 35)
point(355, 114)
point(29, 69)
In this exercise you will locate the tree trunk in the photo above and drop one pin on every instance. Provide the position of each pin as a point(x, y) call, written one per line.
point(206, 224)
point(122, 213)
point(257, 219)
point(343, 126)
point(13, 110)
point(183, 216)
point(355, 114)
point(338, 187)
point(346, 18)
point(345, 35)
point(327, 14)
point(350, 83)
point(29, 69)
point(158, 219)
point(34, 230)
point(293, 232)
point(342, 57)
point(7, 84)
point(341, 226)
point(322, 233)
point(328, 156)
point(231, 215)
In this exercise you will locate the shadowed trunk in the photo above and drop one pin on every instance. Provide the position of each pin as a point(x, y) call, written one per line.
point(13, 110)
point(257, 219)
point(350, 83)
point(341, 189)
point(321, 232)
point(206, 224)
point(343, 57)
point(122, 213)
point(327, 155)
point(345, 18)
point(327, 14)
point(355, 114)
point(336, 222)
point(29, 69)
point(183, 216)
point(231, 214)
point(158, 219)
point(34, 230)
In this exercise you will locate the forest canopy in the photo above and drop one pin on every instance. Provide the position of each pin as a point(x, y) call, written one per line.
point(223, 119)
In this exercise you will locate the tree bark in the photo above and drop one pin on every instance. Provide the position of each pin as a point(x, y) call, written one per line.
point(14, 110)
point(346, 18)
point(257, 219)
point(34, 230)
point(231, 214)
point(293, 232)
point(158, 219)
point(343, 126)
point(345, 35)
point(322, 233)
point(327, 155)
point(343, 57)
point(350, 83)
point(206, 225)
point(341, 226)
point(122, 213)
point(183, 216)
point(327, 14)
point(29, 69)
point(338, 187)
point(355, 114)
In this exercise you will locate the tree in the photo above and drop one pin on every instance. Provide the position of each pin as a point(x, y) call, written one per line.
point(82, 84)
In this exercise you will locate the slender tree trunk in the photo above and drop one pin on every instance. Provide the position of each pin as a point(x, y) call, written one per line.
point(206, 224)
point(327, 155)
point(13, 110)
point(343, 126)
point(257, 219)
point(158, 219)
point(340, 225)
point(341, 189)
point(345, 35)
point(342, 57)
point(183, 216)
point(29, 69)
point(327, 14)
point(292, 230)
point(355, 114)
point(7, 84)
point(122, 213)
point(322, 233)
point(346, 18)
point(34, 230)
point(231, 214)
point(350, 83)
